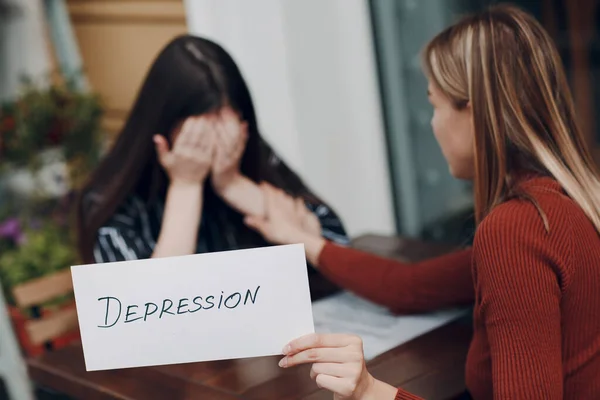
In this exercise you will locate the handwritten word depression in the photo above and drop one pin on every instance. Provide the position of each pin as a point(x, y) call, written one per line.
point(134, 312)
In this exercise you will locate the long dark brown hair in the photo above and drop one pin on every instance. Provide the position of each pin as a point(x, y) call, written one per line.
point(507, 67)
point(191, 76)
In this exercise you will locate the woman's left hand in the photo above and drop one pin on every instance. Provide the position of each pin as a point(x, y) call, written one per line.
point(231, 138)
point(338, 364)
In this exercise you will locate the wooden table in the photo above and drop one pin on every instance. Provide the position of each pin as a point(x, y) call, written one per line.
point(431, 366)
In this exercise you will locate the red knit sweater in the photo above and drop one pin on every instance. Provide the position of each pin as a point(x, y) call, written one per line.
point(536, 293)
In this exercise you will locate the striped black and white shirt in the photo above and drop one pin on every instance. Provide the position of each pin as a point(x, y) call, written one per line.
point(133, 230)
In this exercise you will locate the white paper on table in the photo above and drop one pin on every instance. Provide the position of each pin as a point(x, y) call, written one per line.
point(272, 308)
point(379, 329)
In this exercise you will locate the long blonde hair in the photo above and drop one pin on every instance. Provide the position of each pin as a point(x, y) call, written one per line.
point(504, 64)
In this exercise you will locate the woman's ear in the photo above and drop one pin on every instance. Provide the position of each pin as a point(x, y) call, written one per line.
point(468, 108)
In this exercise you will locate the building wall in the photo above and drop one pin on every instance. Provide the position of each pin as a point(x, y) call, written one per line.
point(118, 40)
point(310, 66)
point(23, 45)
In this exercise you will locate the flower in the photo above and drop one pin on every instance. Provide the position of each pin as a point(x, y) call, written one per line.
point(11, 229)
point(8, 124)
point(50, 116)
point(55, 133)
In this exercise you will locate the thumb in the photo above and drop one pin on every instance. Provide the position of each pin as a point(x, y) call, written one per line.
point(162, 147)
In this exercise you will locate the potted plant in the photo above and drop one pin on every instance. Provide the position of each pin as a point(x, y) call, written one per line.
point(30, 250)
point(47, 124)
point(50, 140)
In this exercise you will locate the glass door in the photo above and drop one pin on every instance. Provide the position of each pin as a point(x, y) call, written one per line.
point(429, 201)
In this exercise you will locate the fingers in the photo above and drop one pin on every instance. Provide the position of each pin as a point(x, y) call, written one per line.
point(185, 133)
point(277, 201)
point(343, 387)
point(196, 134)
point(266, 186)
point(203, 135)
point(284, 201)
point(200, 132)
point(257, 223)
point(345, 354)
point(220, 132)
point(232, 135)
point(223, 136)
point(230, 125)
point(301, 209)
point(268, 196)
point(333, 369)
point(337, 360)
point(315, 340)
point(207, 138)
point(162, 147)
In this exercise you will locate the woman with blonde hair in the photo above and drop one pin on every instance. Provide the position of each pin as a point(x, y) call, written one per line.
point(504, 118)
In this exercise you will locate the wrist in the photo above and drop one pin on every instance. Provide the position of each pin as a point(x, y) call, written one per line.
point(313, 246)
point(185, 186)
point(222, 182)
point(378, 390)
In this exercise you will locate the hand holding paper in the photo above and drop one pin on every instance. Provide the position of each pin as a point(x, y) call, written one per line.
point(203, 307)
point(338, 365)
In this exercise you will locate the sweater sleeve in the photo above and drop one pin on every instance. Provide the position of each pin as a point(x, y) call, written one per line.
point(404, 395)
point(519, 304)
point(436, 283)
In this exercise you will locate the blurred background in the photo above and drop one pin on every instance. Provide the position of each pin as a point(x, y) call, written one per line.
point(337, 86)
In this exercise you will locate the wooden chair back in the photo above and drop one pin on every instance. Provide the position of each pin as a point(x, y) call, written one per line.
point(47, 326)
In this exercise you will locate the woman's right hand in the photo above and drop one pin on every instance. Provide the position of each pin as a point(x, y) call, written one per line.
point(283, 224)
point(190, 159)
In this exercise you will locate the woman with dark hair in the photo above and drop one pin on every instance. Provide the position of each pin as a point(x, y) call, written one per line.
point(188, 191)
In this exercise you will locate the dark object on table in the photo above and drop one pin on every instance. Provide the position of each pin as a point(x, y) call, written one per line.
point(457, 229)
point(48, 394)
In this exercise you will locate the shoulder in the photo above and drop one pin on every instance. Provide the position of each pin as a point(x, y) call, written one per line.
point(127, 214)
point(511, 235)
point(543, 213)
point(510, 220)
point(532, 229)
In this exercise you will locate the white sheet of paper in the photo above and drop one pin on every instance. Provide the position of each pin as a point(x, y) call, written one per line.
point(260, 301)
point(379, 329)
